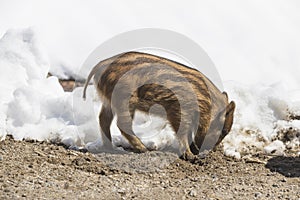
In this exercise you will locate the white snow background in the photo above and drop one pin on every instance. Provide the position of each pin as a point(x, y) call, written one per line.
point(255, 46)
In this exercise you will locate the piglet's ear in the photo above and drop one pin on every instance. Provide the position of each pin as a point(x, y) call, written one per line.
point(225, 94)
point(230, 108)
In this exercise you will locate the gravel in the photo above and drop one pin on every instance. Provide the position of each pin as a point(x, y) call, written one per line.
point(39, 170)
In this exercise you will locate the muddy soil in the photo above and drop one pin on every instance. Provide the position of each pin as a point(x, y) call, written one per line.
point(40, 170)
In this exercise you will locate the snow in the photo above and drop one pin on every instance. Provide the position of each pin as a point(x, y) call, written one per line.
point(277, 147)
point(32, 105)
point(261, 116)
point(36, 107)
point(254, 45)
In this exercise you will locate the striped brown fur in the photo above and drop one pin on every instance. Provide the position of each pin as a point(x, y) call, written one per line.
point(137, 81)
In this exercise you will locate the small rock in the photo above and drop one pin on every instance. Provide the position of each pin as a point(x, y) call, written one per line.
point(121, 190)
point(257, 194)
point(66, 185)
point(40, 153)
point(214, 176)
point(1, 158)
point(193, 193)
point(283, 180)
point(102, 172)
point(79, 161)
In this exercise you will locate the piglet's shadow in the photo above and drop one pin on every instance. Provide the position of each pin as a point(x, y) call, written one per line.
point(287, 166)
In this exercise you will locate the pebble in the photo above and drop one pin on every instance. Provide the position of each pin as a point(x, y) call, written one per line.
point(283, 180)
point(193, 193)
point(257, 194)
point(1, 158)
point(121, 190)
point(66, 185)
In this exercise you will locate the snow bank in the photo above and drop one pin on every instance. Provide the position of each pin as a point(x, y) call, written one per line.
point(36, 107)
point(32, 105)
point(20, 60)
point(263, 119)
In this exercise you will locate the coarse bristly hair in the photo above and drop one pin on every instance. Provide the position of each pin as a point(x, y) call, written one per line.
point(197, 110)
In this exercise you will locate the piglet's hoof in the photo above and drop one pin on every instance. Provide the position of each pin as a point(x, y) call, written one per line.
point(140, 150)
point(188, 156)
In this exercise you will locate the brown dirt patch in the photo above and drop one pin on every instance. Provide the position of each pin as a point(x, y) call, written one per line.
point(39, 170)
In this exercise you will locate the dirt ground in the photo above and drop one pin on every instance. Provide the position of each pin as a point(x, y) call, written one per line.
point(39, 170)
